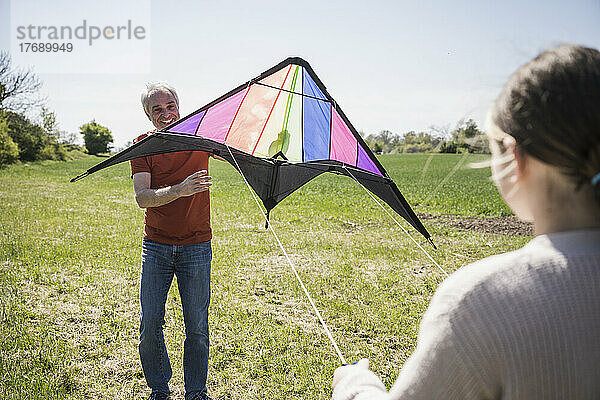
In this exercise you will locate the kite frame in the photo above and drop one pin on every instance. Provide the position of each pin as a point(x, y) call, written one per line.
point(331, 163)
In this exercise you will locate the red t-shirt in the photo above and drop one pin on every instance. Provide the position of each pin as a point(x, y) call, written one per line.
point(185, 220)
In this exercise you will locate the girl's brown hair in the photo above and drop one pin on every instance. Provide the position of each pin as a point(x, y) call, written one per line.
point(551, 106)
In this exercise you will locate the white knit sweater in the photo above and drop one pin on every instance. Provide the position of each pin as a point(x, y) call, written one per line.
point(520, 325)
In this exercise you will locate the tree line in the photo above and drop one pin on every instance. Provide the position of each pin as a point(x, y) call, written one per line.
point(466, 136)
point(29, 130)
point(24, 138)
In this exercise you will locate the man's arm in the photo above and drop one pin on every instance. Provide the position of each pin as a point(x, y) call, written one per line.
point(147, 197)
point(216, 157)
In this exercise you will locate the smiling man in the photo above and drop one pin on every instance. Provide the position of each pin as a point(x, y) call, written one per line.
point(173, 189)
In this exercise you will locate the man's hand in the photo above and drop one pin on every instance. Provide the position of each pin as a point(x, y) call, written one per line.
point(195, 183)
point(345, 370)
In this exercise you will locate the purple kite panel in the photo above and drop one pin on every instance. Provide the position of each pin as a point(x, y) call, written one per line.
point(365, 162)
point(219, 118)
point(189, 125)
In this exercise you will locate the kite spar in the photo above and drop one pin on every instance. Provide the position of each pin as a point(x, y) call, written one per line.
point(279, 130)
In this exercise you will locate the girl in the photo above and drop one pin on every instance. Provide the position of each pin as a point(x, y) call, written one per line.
point(524, 324)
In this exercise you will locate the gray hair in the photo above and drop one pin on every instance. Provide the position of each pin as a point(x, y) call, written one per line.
point(156, 87)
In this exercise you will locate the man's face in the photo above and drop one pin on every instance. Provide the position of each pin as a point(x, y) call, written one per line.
point(163, 109)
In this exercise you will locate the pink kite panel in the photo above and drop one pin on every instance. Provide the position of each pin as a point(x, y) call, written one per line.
point(343, 142)
point(218, 118)
point(254, 112)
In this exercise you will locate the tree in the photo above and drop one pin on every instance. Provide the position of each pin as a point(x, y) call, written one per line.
point(383, 142)
point(421, 142)
point(68, 138)
point(440, 131)
point(466, 137)
point(9, 151)
point(388, 140)
point(377, 148)
point(17, 86)
point(96, 137)
point(54, 150)
point(49, 124)
point(466, 130)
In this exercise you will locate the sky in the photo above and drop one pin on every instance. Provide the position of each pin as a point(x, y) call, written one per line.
point(396, 65)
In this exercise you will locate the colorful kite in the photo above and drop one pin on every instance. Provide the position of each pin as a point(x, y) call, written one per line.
point(279, 130)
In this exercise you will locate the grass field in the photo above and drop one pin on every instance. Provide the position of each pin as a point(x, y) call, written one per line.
point(69, 279)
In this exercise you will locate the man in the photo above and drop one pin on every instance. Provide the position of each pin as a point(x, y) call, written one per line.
point(173, 189)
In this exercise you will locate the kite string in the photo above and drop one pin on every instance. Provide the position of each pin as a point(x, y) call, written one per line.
point(425, 168)
point(448, 176)
point(397, 223)
point(312, 303)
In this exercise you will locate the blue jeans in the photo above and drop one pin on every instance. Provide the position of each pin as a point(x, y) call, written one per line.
point(191, 265)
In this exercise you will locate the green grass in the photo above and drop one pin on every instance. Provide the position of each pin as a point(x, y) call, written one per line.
point(466, 192)
point(69, 279)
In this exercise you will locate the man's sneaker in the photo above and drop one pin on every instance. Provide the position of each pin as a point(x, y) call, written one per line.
point(159, 396)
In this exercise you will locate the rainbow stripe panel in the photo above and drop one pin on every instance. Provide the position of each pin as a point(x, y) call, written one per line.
point(286, 113)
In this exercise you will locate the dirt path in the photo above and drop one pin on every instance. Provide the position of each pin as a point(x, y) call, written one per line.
point(510, 225)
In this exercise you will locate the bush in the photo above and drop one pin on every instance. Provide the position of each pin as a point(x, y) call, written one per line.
point(30, 138)
point(32, 141)
point(53, 151)
point(448, 147)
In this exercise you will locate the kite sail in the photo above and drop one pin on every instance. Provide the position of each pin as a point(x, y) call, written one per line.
point(279, 130)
